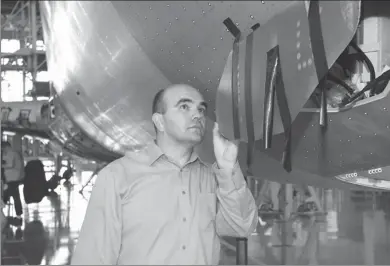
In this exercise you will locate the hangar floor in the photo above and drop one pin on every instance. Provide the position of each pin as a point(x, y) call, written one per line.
point(352, 233)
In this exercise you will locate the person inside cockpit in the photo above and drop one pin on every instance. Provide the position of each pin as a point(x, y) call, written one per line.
point(163, 204)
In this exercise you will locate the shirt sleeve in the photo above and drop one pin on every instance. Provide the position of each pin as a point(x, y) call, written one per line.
point(100, 236)
point(237, 212)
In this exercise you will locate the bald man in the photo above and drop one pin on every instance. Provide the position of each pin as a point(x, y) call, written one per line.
point(163, 205)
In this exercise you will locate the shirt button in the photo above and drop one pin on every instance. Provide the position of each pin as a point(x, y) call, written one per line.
point(183, 192)
point(184, 219)
point(183, 247)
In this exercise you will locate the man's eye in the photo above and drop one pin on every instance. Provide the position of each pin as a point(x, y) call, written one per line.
point(184, 107)
point(202, 110)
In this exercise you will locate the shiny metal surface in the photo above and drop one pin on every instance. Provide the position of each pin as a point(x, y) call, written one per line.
point(301, 64)
point(108, 59)
point(354, 232)
point(357, 139)
point(101, 79)
point(72, 138)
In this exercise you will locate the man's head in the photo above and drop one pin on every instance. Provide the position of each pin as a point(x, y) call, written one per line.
point(179, 114)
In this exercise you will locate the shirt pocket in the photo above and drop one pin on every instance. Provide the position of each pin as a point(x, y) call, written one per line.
point(207, 206)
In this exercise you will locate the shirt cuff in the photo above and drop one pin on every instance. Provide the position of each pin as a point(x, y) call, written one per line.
point(229, 179)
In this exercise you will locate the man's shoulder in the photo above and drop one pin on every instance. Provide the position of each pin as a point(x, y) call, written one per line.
point(127, 165)
point(117, 171)
point(118, 164)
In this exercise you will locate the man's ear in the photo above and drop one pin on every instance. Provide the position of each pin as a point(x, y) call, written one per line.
point(157, 121)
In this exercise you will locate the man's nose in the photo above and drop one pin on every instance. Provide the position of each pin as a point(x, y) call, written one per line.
point(197, 114)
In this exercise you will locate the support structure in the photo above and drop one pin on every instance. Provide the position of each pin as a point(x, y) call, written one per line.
point(242, 251)
point(285, 209)
point(23, 24)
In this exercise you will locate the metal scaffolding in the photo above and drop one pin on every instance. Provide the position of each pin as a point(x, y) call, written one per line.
point(21, 22)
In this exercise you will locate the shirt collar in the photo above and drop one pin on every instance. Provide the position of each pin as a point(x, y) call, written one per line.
point(151, 153)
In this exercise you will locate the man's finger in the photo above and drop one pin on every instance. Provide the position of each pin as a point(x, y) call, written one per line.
point(217, 133)
point(236, 142)
point(216, 129)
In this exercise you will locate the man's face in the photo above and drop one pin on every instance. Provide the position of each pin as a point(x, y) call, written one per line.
point(184, 118)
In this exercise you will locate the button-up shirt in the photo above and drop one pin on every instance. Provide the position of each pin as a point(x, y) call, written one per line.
point(145, 209)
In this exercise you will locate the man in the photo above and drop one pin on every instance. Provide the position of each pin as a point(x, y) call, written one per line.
point(162, 204)
point(13, 175)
